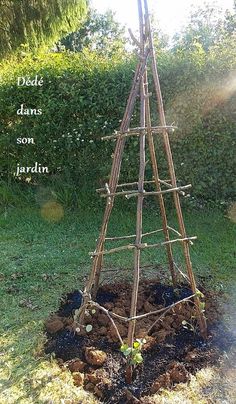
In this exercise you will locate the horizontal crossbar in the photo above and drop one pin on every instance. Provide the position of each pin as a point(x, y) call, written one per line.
point(143, 235)
point(131, 184)
point(132, 235)
point(128, 184)
point(140, 246)
point(136, 192)
point(141, 130)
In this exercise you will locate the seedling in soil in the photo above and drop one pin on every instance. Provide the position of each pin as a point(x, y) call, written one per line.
point(186, 324)
point(202, 303)
point(199, 294)
point(189, 326)
point(133, 355)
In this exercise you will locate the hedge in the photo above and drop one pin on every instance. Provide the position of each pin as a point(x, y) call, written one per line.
point(83, 98)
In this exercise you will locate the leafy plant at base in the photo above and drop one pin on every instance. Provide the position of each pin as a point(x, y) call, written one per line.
point(133, 354)
point(202, 303)
point(188, 326)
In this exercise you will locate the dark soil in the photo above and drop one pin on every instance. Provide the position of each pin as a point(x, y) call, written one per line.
point(171, 353)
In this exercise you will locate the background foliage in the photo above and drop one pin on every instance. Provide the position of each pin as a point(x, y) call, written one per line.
point(83, 99)
point(33, 24)
point(99, 32)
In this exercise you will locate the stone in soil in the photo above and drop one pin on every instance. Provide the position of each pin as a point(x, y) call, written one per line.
point(76, 365)
point(98, 376)
point(178, 372)
point(162, 381)
point(54, 324)
point(78, 379)
point(94, 356)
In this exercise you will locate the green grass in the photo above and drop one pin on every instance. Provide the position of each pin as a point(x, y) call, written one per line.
point(41, 260)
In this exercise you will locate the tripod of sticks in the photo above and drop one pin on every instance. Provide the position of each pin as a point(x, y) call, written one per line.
point(145, 133)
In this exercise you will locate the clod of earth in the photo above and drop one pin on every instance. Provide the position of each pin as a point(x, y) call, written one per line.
point(178, 372)
point(94, 356)
point(89, 387)
point(192, 355)
point(78, 379)
point(98, 392)
point(98, 376)
point(150, 342)
point(54, 324)
point(76, 365)
point(161, 382)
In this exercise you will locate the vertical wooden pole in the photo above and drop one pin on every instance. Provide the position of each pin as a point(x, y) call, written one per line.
point(139, 215)
point(201, 317)
point(157, 184)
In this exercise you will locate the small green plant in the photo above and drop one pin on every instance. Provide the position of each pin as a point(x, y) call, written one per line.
point(188, 326)
point(199, 294)
point(133, 354)
point(202, 303)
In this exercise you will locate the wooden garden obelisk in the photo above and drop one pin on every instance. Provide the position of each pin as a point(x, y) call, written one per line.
point(145, 133)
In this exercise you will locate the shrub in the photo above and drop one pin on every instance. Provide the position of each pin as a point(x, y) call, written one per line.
point(83, 98)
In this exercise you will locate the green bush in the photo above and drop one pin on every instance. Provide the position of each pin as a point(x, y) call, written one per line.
point(29, 24)
point(83, 98)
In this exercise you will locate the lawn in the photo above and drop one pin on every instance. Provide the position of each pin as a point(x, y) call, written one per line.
point(42, 260)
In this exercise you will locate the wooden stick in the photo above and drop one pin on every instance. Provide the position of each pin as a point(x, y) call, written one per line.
point(108, 192)
point(184, 239)
point(92, 303)
point(201, 317)
point(174, 231)
point(181, 273)
point(119, 136)
point(144, 193)
point(135, 41)
point(139, 214)
point(161, 310)
point(135, 192)
point(178, 233)
point(110, 314)
point(128, 184)
point(120, 237)
point(133, 235)
point(169, 186)
point(115, 171)
point(168, 309)
point(146, 128)
point(132, 132)
point(141, 246)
